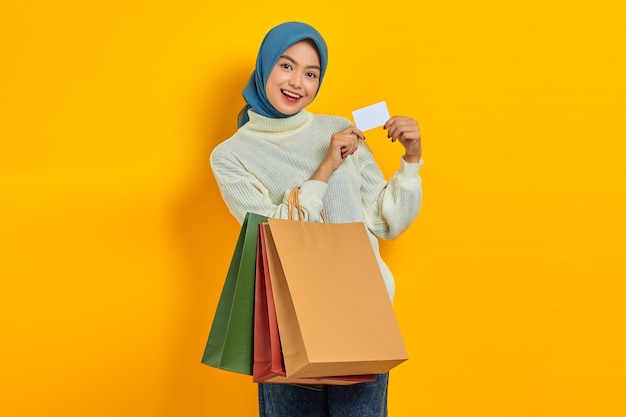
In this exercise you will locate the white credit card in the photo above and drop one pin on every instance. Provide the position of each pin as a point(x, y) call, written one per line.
point(369, 117)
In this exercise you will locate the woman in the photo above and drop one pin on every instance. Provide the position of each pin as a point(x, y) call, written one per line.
point(280, 145)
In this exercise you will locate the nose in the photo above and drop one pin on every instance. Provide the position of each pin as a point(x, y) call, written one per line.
point(295, 80)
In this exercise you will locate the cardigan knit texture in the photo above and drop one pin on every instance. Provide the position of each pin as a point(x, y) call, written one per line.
point(256, 168)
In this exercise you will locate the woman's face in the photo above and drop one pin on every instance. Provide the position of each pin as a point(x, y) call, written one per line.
point(295, 78)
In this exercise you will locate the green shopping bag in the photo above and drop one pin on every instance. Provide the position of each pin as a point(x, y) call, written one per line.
point(230, 343)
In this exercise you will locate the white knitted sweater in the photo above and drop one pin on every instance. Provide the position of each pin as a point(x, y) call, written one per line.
point(257, 167)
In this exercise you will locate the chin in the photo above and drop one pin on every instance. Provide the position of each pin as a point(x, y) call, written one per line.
point(291, 112)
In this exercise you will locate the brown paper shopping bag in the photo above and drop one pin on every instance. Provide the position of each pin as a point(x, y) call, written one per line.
point(268, 359)
point(334, 313)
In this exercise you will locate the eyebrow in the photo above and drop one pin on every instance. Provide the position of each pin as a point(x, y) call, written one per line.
point(287, 57)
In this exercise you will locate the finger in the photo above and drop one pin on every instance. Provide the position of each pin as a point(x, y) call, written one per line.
point(405, 123)
point(406, 135)
point(350, 147)
point(393, 120)
point(348, 144)
point(407, 129)
point(400, 121)
point(345, 152)
point(359, 134)
point(344, 138)
point(352, 130)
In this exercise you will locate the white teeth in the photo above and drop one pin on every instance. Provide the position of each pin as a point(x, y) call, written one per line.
point(290, 94)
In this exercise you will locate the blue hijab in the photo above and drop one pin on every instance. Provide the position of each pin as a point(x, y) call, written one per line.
point(275, 43)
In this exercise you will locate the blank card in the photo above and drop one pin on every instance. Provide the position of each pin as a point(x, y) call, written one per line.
point(372, 116)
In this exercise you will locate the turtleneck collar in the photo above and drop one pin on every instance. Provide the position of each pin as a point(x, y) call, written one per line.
point(261, 125)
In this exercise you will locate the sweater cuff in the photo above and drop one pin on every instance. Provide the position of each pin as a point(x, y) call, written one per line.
point(409, 172)
point(313, 190)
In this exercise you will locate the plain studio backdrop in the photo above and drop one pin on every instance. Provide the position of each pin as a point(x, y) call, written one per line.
point(115, 240)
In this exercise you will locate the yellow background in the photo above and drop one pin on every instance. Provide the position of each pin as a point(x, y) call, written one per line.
point(115, 241)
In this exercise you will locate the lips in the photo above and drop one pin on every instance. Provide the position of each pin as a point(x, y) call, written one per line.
point(291, 94)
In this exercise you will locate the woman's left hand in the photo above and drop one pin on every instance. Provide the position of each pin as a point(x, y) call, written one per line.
point(407, 131)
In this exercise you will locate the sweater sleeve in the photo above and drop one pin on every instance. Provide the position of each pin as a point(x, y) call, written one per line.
point(243, 192)
point(389, 207)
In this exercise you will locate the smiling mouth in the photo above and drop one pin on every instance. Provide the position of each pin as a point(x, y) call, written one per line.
point(291, 94)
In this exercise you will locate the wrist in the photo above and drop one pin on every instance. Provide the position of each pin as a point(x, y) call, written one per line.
point(323, 173)
point(412, 159)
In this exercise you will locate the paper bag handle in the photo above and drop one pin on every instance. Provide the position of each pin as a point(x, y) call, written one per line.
point(293, 206)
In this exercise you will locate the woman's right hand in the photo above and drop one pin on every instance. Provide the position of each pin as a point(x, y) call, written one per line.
point(342, 144)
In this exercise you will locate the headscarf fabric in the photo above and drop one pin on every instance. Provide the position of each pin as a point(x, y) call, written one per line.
point(275, 43)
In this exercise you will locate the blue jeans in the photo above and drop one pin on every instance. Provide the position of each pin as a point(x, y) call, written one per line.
point(368, 399)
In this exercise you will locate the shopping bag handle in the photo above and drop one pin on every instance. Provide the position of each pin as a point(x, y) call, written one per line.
point(293, 206)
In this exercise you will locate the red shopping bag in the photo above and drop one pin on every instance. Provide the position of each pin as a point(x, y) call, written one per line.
point(268, 360)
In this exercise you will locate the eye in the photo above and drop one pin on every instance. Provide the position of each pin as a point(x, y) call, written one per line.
point(311, 75)
point(285, 65)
